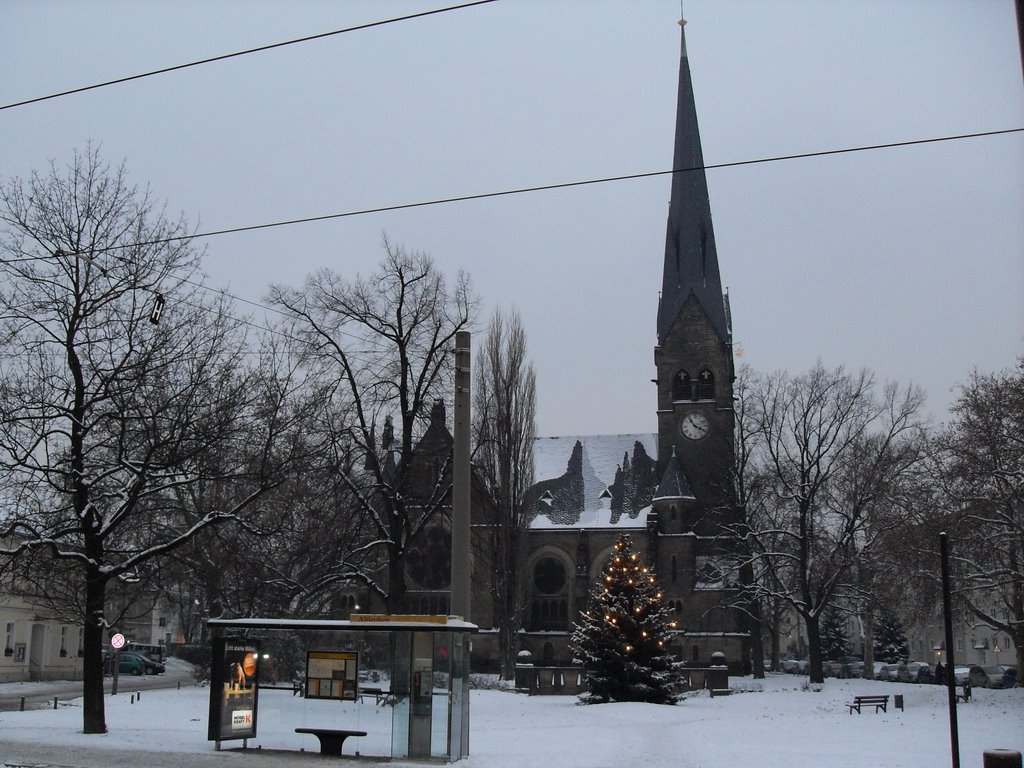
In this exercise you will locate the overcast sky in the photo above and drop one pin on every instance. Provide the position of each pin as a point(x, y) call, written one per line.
point(909, 261)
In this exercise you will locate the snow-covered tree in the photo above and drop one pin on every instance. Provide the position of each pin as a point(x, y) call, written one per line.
point(504, 425)
point(982, 478)
point(826, 486)
point(385, 340)
point(622, 639)
point(123, 387)
point(890, 640)
point(834, 642)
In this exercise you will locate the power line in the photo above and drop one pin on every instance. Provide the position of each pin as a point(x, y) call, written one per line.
point(537, 188)
point(564, 185)
point(246, 52)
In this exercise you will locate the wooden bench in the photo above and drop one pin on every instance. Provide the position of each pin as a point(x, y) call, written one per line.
point(331, 739)
point(380, 696)
point(878, 702)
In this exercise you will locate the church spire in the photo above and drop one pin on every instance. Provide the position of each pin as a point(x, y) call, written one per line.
point(691, 261)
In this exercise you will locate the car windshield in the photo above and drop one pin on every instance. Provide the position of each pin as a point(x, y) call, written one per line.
point(993, 670)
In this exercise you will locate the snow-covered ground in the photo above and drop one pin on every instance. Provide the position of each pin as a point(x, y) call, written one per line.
point(770, 724)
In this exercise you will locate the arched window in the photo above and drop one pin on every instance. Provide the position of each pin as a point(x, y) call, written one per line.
point(550, 605)
point(681, 386)
point(706, 385)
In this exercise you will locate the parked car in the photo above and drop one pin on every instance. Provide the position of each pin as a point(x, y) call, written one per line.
point(961, 675)
point(920, 672)
point(1010, 679)
point(129, 663)
point(988, 676)
point(150, 666)
point(876, 671)
point(795, 666)
point(890, 672)
point(851, 666)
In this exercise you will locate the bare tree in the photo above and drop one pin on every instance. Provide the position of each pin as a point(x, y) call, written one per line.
point(833, 450)
point(386, 342)
point(505, 426)
point(982, 476)
point(105, 414)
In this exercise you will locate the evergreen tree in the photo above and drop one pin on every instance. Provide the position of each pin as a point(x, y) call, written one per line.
point(890, 641)
point(833, 635)
point(622, 640)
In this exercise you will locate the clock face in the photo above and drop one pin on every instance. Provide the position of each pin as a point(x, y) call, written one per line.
point(694, 425)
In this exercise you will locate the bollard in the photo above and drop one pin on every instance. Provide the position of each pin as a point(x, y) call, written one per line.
point(22, 704)
point(131, 700)
point(1001, 758)
point(54, 702)
point(138, 695)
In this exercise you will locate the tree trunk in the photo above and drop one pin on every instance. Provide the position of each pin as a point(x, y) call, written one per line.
point(93, 714)
point(507, 632)
point(755, 623)
point(869, 645)
point(814, 648)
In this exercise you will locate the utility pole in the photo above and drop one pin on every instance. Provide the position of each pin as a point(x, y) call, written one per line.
point(461, 479)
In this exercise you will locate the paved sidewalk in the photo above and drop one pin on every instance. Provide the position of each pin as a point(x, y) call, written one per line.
point(57, 756)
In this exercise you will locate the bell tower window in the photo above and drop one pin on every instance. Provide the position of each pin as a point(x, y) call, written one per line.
point(682, 386)
point(706, 385)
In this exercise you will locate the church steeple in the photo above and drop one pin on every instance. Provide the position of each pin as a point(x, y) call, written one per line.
point(691, 261)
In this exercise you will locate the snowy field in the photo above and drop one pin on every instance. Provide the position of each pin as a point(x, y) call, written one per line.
point(768, 724)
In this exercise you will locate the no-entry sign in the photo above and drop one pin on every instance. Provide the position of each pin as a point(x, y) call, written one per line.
point(117, 641)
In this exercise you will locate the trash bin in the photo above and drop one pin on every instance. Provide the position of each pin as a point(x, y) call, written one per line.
point(1001, 758)
point(897, 701)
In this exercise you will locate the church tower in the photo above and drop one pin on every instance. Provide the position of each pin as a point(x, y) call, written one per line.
point(693, 504)
point(694, 351)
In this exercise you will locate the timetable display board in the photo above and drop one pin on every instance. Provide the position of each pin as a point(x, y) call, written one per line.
point(332, 675)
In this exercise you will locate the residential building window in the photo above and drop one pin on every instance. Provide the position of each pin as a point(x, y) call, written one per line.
point(163, 621)
point(64, 640)
point(959, 643)
point(81, 641)
point(9, 644)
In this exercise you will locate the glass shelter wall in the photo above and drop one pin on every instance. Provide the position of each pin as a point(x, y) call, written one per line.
point(411, 699)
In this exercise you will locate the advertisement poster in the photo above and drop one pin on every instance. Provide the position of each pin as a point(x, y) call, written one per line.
point(332, 675)
point(233, 689)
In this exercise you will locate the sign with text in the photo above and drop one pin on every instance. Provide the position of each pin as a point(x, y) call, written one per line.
point(332, 675)
point(234, 687)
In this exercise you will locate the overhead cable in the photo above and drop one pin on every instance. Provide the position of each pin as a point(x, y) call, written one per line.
point(246, 52)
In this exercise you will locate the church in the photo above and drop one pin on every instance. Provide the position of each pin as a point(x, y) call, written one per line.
point(671, 492)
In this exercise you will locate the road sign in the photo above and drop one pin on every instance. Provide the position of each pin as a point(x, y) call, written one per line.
point(117, 641)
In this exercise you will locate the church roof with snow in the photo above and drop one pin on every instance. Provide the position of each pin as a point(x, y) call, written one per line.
point(593, 480)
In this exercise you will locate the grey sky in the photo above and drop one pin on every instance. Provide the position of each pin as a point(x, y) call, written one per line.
point(909, 261)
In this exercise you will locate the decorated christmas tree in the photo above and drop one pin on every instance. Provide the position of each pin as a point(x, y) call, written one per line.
point(622, 640)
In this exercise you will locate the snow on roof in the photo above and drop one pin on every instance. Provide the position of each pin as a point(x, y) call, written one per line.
point(602, 455)
point(600, 518)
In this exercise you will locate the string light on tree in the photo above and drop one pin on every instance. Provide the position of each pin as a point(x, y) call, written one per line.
point(623, 644)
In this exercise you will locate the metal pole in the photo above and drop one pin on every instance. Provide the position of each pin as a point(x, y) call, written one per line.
point(460, 479)
point(947, 610)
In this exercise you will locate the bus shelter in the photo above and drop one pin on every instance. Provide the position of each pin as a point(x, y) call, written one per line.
point(389, 686)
